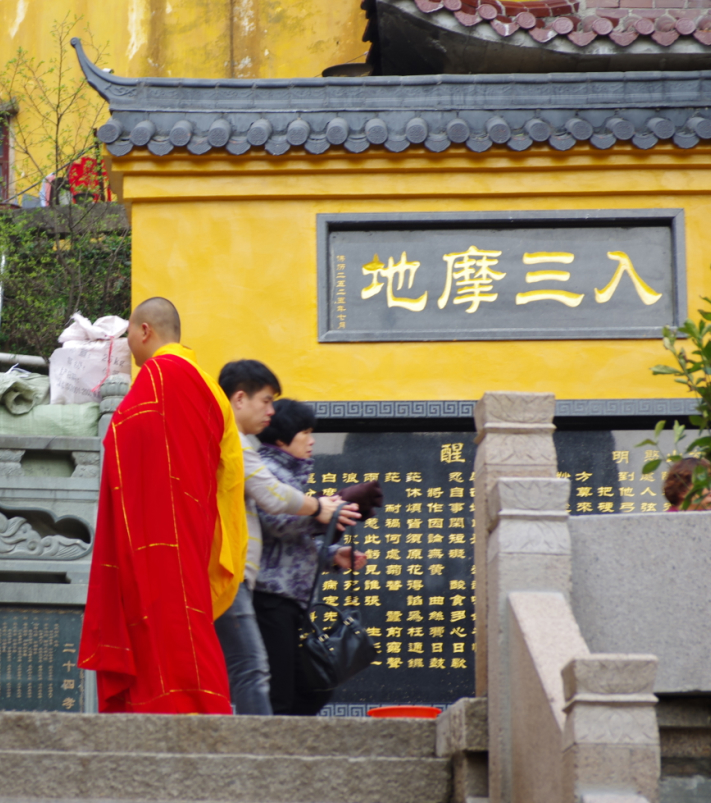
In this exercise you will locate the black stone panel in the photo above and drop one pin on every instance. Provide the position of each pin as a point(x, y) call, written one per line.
point(38, 659)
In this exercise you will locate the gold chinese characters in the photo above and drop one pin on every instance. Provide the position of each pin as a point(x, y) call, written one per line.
point(470, 276)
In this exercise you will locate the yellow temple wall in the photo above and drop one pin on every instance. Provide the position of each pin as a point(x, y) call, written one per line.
point(176, 38)
point(199, 38)
point(232, 241)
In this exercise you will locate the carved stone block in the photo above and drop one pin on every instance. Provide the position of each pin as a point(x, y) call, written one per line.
point(513, 497)
point(463, 727)
point(462, 735)
point(621, 723)
point(112, 392)
point(115, 385)
point(86, 464)
point(11, 462)
point(511, 407)
point(609, 675)
point(532, 537)
point(515, 449)
point(633, 769)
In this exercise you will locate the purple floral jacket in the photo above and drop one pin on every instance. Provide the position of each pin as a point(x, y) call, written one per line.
point(289, 553)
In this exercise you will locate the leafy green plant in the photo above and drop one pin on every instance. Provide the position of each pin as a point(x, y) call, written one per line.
point(67, 257)
point(692, 356)
point(52, 270)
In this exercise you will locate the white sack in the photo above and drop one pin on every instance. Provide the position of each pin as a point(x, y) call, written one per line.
point(102, 329)
point(90, 354)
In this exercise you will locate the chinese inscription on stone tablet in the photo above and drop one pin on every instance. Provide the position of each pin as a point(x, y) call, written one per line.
point(38, 660)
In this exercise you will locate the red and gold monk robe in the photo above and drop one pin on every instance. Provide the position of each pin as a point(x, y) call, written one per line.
point(170, 543)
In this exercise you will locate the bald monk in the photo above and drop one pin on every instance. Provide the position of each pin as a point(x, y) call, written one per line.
point(171, 533)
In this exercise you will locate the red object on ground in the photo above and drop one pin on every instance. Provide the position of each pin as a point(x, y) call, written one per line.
point(417, 711)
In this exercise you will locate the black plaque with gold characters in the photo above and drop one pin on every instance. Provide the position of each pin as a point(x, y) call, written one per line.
point(417, 593)
point(500, 276)
point(38, 659)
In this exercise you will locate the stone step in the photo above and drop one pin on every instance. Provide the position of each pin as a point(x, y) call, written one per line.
point(87, 775)
point(354, 737)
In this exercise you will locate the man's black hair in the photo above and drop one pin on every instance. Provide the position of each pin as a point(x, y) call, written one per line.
point(247, 375)
point(290, 417)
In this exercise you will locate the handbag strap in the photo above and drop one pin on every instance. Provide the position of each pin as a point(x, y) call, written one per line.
point(322, 559)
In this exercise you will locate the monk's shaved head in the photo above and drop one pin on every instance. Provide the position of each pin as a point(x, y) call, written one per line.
point(153, 324)
point(161, 315)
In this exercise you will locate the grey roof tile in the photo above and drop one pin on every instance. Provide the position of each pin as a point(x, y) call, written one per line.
point(397, 113)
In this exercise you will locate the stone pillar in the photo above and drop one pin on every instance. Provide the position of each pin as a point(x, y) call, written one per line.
point(611, 739)
point(528, 550)
point(515, 439)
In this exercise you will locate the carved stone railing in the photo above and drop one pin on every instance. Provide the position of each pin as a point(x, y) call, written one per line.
point(563, 724)
point(39, 535)
point(49, 490)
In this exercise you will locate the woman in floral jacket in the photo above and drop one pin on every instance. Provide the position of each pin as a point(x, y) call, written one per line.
point(289, 559)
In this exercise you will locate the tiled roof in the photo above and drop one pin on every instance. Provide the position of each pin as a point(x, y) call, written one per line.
point(395, 112)
point(583, 21)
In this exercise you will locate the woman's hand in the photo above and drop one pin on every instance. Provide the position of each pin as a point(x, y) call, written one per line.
point(342, 558)
point(349, 515)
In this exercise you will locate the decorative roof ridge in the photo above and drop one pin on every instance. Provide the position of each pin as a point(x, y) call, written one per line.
point(357, 114)
point(101, 80)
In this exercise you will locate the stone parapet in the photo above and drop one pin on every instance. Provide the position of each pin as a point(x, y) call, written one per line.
point(641, 584)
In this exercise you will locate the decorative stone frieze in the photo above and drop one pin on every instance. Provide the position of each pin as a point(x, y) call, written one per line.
point(20, 540)
point(529, 516)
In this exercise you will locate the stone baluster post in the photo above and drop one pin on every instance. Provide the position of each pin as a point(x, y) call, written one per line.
point(611, 739)
point(112, 392)
point(528, 550)
point(515, 439)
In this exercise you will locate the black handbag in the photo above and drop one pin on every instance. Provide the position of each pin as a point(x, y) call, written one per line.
point(330, 657)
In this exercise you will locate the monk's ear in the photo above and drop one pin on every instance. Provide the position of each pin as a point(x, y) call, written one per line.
point(146, 331)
